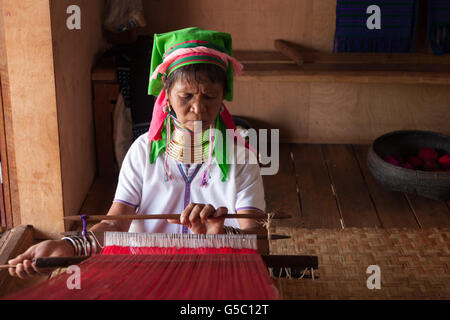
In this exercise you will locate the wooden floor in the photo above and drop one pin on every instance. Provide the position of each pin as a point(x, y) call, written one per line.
point(325, 186)
point(330, 186)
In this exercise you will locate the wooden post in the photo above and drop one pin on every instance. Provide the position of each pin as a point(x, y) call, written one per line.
point(30, 115)
point(5, 199)
point(104, 95)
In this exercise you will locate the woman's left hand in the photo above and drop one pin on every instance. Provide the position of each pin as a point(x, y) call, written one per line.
point(202, 218)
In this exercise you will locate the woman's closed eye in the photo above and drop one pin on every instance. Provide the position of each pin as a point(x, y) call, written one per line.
point(189, 96)
point(186, 96)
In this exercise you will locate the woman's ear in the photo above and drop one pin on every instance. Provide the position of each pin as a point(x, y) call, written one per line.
point(163, 79)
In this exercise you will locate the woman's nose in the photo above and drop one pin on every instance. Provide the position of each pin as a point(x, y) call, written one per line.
point(198, 107)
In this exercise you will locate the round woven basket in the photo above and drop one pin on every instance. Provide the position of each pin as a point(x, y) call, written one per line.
point(433, 185)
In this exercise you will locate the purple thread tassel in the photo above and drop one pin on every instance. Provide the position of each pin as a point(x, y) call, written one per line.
point(83, 219)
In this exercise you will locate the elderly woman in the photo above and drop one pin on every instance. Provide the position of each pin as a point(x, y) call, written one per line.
point(165, 172)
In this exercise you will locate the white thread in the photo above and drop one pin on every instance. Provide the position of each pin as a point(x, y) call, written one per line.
point(288, 272)
point(96, 240)
point(163, 240)
point(303, 274)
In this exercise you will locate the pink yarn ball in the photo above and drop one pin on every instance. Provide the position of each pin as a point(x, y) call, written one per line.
point(408, 165)
point(391, 160)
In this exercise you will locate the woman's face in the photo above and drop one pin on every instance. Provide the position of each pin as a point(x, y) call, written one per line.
point(196, 101)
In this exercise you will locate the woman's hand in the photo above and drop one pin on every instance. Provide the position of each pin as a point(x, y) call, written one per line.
point(202, 218)
point(49, 248)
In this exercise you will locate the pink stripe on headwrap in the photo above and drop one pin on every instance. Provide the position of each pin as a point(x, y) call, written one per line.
point(158, 117)
point(177, 54)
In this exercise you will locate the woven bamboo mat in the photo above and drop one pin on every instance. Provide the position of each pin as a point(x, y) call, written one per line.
point(414, 264)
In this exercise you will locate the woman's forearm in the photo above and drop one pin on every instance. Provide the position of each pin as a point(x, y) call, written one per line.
point(104, 226)
point(117, 208)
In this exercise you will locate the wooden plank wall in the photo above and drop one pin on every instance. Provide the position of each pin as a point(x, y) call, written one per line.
point(47, 100)
point(75, 53)
point(6, 214)
point(341, 112)
point(254, 24)
point(30, 112)
point(306, 112)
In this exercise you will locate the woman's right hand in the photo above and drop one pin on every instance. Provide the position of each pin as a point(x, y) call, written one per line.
point(49, 248)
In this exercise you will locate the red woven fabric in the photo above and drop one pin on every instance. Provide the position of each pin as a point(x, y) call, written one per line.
point(151, 273)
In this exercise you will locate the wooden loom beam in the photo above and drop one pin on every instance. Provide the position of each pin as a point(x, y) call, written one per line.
point(169, 216)
point(271, 261)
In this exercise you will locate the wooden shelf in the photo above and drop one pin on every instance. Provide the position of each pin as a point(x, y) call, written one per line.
point(408, 68)
point(105, 71)
point(343, 67)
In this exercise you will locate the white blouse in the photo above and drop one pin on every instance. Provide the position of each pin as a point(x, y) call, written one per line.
point(142, 186)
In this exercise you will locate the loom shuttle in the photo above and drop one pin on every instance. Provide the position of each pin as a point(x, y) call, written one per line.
point(52, 262)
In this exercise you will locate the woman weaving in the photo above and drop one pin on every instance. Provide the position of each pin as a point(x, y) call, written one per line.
point(191, 73)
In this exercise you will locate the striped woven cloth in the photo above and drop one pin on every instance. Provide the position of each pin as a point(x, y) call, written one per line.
point(439, 26)
point(396, 28)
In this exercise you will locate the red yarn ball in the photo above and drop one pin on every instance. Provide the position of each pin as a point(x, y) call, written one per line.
point(430, 166)
point(444, 161)
point(428, 154)
point(416, 162)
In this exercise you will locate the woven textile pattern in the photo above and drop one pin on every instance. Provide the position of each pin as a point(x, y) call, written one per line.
point(415, 264)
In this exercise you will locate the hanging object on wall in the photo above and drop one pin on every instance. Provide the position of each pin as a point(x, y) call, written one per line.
point(122, 130)
point(439, 26)
point(375, 25)
point(124, 15)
